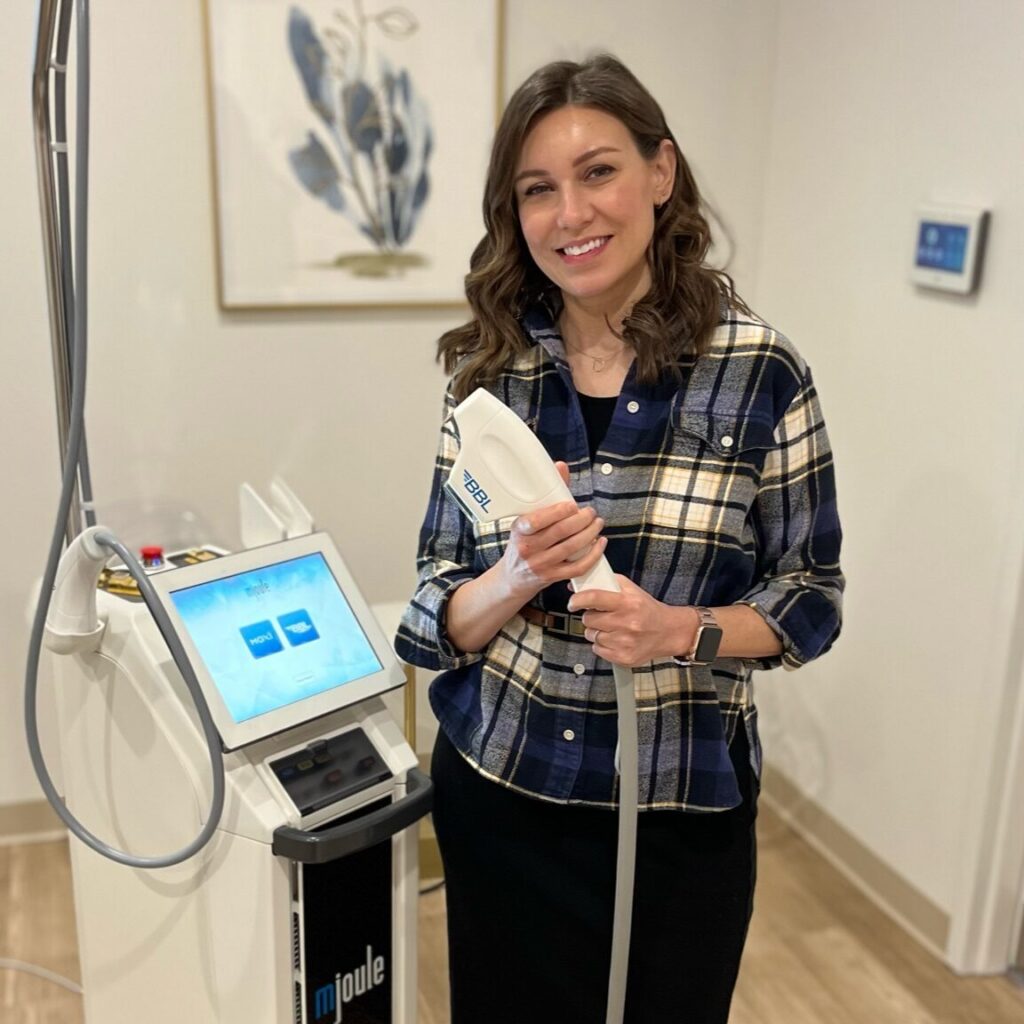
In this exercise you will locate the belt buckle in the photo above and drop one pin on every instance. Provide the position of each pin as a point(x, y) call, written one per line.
point(565, 623)
point(558, 622)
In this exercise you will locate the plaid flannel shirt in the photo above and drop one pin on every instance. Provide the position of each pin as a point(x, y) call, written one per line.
point(714, 491)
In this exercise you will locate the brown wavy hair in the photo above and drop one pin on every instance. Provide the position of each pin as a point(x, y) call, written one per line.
point(683, 305)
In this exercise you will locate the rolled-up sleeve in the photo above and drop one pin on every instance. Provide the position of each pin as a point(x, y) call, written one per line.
point(444, 562)
point(795, 518)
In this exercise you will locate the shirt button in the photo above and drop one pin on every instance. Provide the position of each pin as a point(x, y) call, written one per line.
point(633, 407)
point(579, 669)
point(727, 441)
point(606, 468)
point(569, 735)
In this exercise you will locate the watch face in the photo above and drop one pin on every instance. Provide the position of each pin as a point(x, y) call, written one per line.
point(708, 639)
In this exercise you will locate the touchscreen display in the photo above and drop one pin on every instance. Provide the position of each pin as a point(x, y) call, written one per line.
point(275, 635)
point(942, 246)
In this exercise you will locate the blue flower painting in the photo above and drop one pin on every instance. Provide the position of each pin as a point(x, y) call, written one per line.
point(366, 155)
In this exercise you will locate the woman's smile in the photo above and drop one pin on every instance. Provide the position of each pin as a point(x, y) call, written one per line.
point(579, 252)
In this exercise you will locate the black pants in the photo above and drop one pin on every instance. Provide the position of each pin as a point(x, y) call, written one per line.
point(530, 890)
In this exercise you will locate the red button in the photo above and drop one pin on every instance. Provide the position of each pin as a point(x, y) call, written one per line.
point(152, 554)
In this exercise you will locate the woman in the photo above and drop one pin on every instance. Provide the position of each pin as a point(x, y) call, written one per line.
point(691, 438)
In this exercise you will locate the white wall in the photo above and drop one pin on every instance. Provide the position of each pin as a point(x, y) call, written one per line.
point(880, 106)
point(186, 401)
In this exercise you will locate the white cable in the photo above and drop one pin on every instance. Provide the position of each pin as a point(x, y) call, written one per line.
point(40, 972)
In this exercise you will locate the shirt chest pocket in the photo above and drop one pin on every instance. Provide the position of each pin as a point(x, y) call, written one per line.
point(711, 477)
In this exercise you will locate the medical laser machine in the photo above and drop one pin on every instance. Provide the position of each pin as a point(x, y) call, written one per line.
point(502, 469)
point(242, 795)
point(302, 907)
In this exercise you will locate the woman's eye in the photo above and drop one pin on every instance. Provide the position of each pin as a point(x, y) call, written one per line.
point(599, 171)
point(538, 189)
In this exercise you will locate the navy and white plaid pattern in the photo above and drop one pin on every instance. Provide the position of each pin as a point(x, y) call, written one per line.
point(716, 491)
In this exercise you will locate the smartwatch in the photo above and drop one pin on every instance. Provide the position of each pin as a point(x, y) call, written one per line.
point(707, 640)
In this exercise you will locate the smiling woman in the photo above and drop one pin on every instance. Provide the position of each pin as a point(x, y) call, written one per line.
point(586, 200)
point(690, 436)
point(601, 123)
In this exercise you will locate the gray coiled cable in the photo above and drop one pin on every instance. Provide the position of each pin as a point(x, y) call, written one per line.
point(76, 435)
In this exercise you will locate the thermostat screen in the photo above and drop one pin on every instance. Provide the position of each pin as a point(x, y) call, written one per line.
point(275, 635)
point(942, 246)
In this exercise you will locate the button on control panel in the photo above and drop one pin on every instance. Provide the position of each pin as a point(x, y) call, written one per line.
point(330, 770)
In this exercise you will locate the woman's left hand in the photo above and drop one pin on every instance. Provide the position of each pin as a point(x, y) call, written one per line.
point(632, 628)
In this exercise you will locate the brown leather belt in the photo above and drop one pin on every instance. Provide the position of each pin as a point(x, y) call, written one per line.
point(554, 622)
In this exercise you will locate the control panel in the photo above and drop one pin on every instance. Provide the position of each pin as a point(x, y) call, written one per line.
point(330, 770)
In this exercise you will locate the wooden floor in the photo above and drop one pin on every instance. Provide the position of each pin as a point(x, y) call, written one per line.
point(818, 953)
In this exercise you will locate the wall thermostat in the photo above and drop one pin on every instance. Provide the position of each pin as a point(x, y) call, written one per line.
point(948, 245)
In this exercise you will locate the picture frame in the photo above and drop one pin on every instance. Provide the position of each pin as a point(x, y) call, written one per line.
point(349, 143)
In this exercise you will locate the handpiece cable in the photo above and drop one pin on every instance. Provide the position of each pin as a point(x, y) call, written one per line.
point(98, 536)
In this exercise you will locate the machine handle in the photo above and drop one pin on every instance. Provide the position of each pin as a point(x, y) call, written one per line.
point(361, 833)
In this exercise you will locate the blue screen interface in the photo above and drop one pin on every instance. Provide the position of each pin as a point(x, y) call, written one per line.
point(275, 635)
point(942, 246)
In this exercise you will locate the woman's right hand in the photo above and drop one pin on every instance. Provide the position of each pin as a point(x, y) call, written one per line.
point(559, 542)
point(555, 543)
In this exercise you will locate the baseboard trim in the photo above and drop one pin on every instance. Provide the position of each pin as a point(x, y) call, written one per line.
point(31, 821)
point(888, 890)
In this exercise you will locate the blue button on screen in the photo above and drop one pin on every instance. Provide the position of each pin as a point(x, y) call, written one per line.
point(298, 627)
point(261, 638)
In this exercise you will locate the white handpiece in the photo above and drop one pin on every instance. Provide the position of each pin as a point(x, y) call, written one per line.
point(72, 623)
point(503, 470)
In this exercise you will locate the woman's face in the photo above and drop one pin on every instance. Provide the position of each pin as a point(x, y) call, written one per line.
point(586, 201)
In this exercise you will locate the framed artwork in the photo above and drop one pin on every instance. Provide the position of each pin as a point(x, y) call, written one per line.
point(350, 142)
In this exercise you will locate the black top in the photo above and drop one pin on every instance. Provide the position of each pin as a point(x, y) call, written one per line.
point(597, 415)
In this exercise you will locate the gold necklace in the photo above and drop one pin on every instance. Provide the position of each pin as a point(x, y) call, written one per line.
point(601, 363)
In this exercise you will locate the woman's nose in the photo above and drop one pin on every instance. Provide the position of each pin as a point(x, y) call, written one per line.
point(574, 209)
